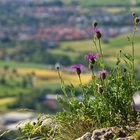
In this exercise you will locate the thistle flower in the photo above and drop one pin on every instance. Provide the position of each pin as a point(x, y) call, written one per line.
point(78, 68)
point(91, 57)
point(98, 32)
point(102, 74)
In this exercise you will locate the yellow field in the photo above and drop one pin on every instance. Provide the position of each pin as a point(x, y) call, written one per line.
point(7, 100)
point(52, 75)
point(80, 46)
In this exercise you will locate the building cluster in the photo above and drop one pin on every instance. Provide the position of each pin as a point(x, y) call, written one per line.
point(33, 21)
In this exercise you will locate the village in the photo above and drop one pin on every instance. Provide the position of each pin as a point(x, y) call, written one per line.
point(57, 22)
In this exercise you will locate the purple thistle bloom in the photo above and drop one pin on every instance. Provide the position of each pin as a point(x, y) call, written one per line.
point(91, 56)
point(96, 30)
point(78, 68)
point(102, 74)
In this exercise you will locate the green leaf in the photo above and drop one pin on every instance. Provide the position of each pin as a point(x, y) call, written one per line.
point(128, 56)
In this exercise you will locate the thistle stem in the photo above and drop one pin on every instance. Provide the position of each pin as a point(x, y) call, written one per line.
point(80, 79)
point(81, 85)
point(60, 77)
point(95, 46)
point(101, 53)
point(62, 84)
point(93, 80)
point(100, 47)
point(133, 50)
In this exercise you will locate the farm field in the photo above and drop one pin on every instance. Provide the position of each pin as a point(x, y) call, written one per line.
point(6, 100)
point(44, 79)
point(110, 48)
point(113, 44)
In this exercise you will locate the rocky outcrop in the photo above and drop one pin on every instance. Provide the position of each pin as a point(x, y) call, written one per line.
point(127, 138)
point(103, 133)
point(106, 134)
point(87, 136)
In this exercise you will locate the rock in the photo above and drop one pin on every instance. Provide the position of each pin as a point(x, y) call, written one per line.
point(127, 138)
point(108, 135)
point(87, 136)
point(121, 134)
point(103, 134)
point(103, 130)
point(130, 138)
point(136, 100)
point(97, 134)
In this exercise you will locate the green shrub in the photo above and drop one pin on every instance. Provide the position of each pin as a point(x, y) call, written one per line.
point(106, 101)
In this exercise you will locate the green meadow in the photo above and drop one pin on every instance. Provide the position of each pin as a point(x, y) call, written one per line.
point(110, 47)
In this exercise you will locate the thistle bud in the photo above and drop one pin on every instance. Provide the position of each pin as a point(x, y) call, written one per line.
point(100, 89)
point(92, 61)
point(99, 35)
point(91, 66)
point(95, 24)
point(103, 76)
point(124, 69)
point(123, 78)
point(133, 14)
point(57, 66)
point(78, 70)
point(137, 19)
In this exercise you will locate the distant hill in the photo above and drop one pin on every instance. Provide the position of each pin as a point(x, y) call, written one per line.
point(102, 2)
point(80, 2)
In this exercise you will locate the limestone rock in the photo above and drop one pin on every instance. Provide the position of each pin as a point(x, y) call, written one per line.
point(103, 134)
point(136, 100)
point(130, 138)
point(121, 134)
point(106, 134)
point(87, 136)
point(97, 134)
